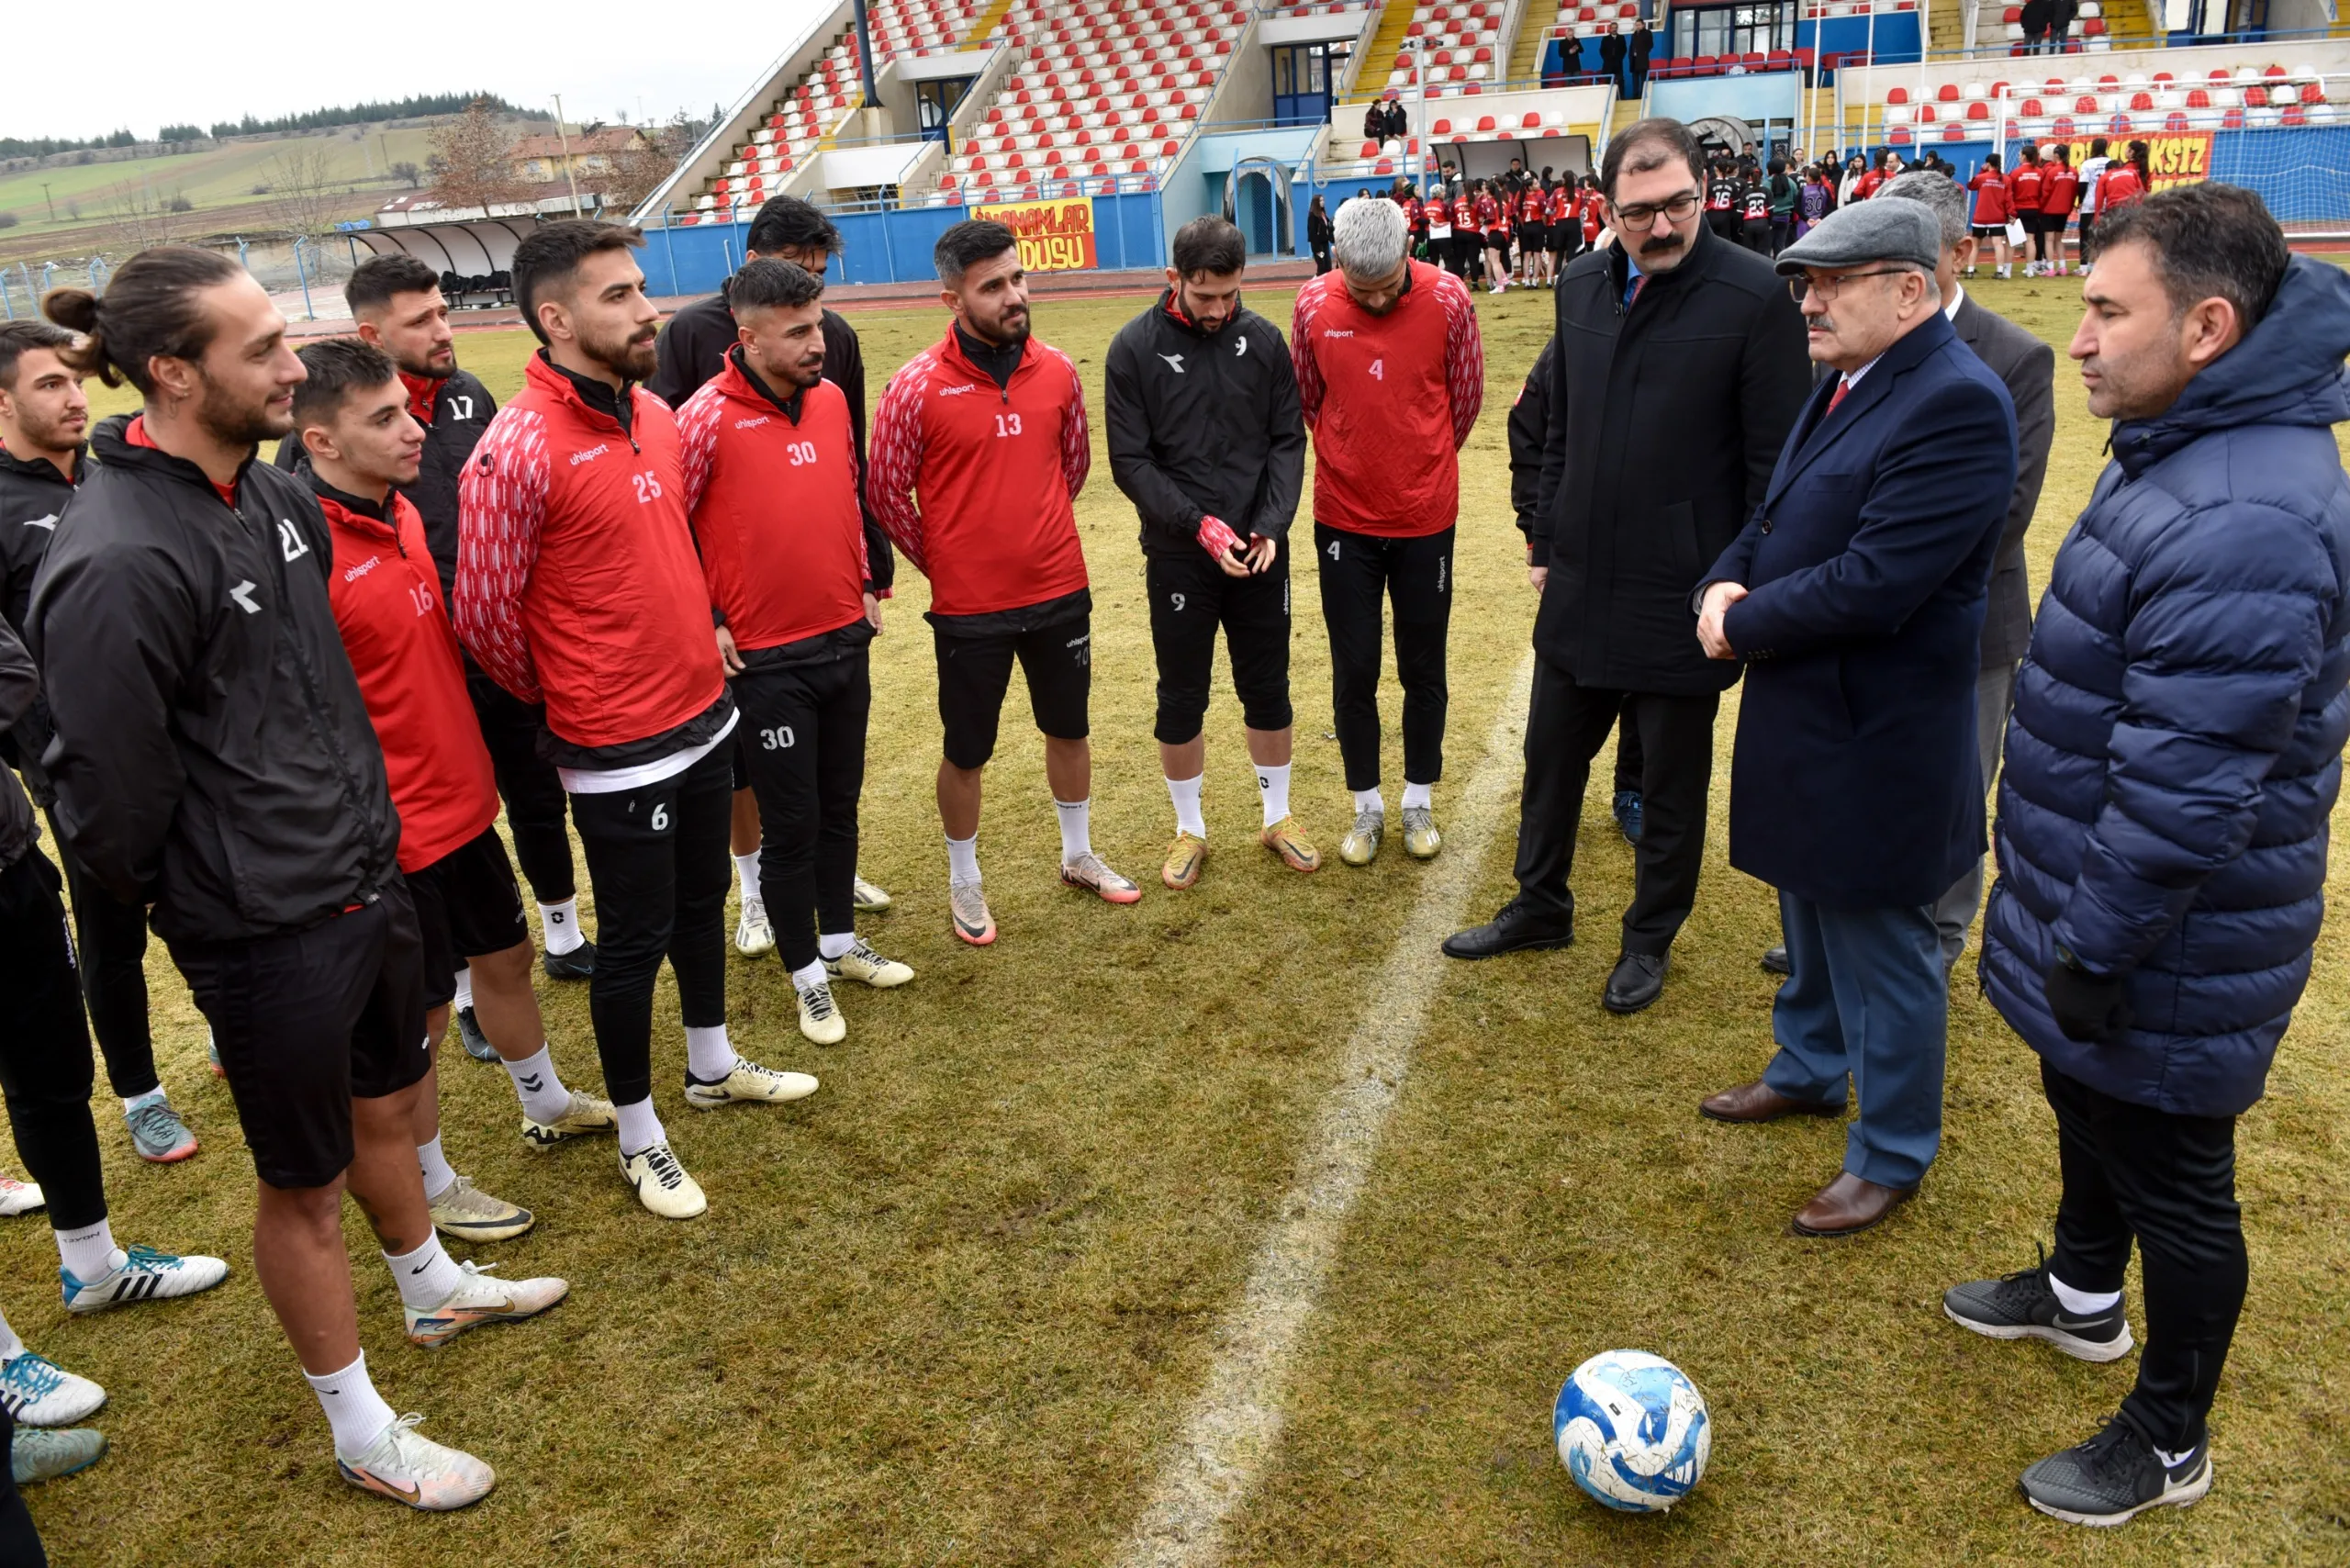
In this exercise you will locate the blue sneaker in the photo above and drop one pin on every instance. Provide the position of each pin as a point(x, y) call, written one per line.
point(144, 1275)
point(158, 1134)
point(1627, 814)
point(477, 1044)
point(47, 1456)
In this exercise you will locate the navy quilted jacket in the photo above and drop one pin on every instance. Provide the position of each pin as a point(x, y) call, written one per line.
point(2177, 742)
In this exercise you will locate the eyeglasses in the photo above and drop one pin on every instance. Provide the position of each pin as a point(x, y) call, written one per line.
point(1637, 218)
point(1827, 288)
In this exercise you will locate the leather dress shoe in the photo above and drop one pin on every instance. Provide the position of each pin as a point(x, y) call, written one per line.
point(1775, 960)
point(1638, 979)
point(1848, 1206)
point(1510, 931)
point(1757, 1102)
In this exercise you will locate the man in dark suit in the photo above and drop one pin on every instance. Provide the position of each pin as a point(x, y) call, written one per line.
point(1678, 368)
point(1637, 52)
point(1611, 55)
point(1856, 596)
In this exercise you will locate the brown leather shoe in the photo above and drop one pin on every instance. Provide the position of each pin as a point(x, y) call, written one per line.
point(1848, 1206)
point(1757, 1102)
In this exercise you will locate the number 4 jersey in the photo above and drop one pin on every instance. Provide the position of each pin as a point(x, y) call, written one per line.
point(770, 488)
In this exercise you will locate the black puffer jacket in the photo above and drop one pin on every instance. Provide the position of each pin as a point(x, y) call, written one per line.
point(213, 756)
point(32, 496)
point(20, 829)
point(1204, 424)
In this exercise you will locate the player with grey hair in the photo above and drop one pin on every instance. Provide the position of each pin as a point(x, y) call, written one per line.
point(1370, 238)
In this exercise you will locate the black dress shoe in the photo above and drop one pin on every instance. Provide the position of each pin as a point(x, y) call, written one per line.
point(1775, 960)
point(1515, 928)
point(1638, 979)
point(580, 964)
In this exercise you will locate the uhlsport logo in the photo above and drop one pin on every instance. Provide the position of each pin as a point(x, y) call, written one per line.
point(751, 424)
point(957, 391)
point(590, 454)
point(360, 570)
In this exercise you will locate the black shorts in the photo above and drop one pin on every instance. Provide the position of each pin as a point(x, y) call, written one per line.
point(974, 673)
point(1566, 237)
point(1534, 236)
point(1189, 598)
point(1992, 231)
point(468, 906)
point(307, 1021)
point(1497, 240)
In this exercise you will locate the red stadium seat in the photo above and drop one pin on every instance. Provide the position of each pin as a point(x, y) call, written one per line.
point(2232, 120)
point(2141, 102)
point(2063, 128)
point(1485, 124)
point(1954, 133)
point(1899, 95)
point(1948, 93)
point(2176, 119)
point(1897, 137)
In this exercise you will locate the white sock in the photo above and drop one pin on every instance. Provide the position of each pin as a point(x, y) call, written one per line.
point(963, 860)
point(426, 1276)
point(639, 1126)
point(1272, 785)
point(746, 869)
point(1418, 794)
point(835, 946)
point(10, 1346)
point(710, 1055)
point(89, 1253)
point(2081, 1303)
point(1077, 829)
point(464, 1000)
point(562, 924)
point(812, 977)
point(154, 1097)
point(435, 1166)
point(356, 1411)
point(538, 1086)
point(1185, 793)
point(1370, 800)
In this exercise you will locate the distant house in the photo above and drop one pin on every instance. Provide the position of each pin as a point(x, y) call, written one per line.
point(539, 160)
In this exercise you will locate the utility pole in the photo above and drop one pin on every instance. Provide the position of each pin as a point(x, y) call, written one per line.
point(46, 202)
point(564, 140)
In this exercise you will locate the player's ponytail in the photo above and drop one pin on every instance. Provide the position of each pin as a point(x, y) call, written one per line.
point(150, 310)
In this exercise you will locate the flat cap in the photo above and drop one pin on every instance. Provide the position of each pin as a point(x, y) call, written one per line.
point(1868, 231)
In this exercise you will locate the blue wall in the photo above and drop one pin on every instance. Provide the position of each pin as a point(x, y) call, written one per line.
point(1774, 96)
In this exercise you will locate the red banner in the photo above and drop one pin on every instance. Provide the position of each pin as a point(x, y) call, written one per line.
point(1055, 236)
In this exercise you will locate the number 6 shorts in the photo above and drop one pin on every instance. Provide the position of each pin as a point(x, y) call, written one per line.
point(1189, 598)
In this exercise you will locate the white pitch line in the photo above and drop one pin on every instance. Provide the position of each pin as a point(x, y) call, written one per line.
point(1235, 1422)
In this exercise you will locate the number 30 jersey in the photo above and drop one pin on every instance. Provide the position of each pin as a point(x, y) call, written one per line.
point(771, 492)
point(973, 480)
point(1389, 399)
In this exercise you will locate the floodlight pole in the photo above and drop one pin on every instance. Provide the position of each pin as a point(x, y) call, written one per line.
point(564, 140)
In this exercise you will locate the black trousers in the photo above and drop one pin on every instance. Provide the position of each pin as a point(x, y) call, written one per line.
point(1321, 258)
point(805, 739)
point(1627, 752)
point(1565, 727)
point(527, 783)
point(1358, 571)
point(20, 1542)
point(110, 939)
point(658, 855)
point(45, 1067)
point(2168, 1181)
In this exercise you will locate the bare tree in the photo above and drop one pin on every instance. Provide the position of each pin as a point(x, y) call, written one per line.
point(470, 154)
point(139, 218)
point(638, 170)
point(306, 194)
point(408, 173)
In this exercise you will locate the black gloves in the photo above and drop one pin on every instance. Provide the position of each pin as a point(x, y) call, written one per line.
point(2089, 1008)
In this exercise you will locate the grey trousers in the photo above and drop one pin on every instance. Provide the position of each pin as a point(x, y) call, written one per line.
point(1954, 910)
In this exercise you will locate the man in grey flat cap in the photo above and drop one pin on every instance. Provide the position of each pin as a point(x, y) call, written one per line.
point(1856, 596)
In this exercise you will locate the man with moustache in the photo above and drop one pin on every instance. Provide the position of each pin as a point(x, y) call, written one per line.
point(1672, 333)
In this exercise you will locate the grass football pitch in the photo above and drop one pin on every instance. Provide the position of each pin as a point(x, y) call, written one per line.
point(954, 1309)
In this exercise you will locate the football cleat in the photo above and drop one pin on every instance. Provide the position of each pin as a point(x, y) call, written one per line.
point(144, 1275)
point(749, 1082)
point(1185, 859)
point(46, 1456)
point(417, 1470)
point(479, 1299)
point(1286, 839)
point(862, 963)
point(1361, 846)
point(973, 924)
point(463, 1212)
point(662, 1184)
point(1421, 840)
point(584, 1117)
point(869, 899)
point(819, 1020)
point(158, 1134)
point(469, 1035)
point(37, 1392)
point(578, 964)
point(212, 1053)
point(20, 1197)
point(753, 937)
point(1089, 872)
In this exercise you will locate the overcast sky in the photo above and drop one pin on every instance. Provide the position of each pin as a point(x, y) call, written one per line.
point(158, 63)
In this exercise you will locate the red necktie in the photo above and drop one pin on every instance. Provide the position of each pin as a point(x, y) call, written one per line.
point(1842, 386)
point(1639, 281)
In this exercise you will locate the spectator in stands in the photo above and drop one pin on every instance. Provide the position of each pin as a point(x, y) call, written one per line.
point(2173, 759)
point(2037, 15)
point(2059, 189)
point(1992, 212)
point(1612, 53)
point(2091, 174)
point(1858, 607)
point(1399, 123)
point(1374, 123)
point(1637, 52)
point(1696, 335)
point(1317, 234)
point(2061, 17)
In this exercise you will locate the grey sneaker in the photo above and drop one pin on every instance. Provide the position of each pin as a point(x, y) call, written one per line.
point(1421, 840)
point(2115, 1477)
point(158, 1134)
point(868, 898)
point(469, 1035)
point(1361, 846)
point(2021, 1306)
point(463, 1212)
point(45, 1455)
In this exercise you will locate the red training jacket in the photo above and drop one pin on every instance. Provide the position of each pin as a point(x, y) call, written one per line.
point(386, 596)
point(773, 504)
point(974, 482)
point(2024, 188)
point(576, 579)
point(2059, 186)
point(1389, 400)
point(1991, 204)
point(2119, 187)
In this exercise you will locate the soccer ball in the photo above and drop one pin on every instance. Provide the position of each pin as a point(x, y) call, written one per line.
point(1633, 1430)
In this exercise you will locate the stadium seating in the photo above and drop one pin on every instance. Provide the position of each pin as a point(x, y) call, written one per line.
point(2002, 21)
point(2111, 103)
point(921, 27)
point(813, 108)
point(1461, 41)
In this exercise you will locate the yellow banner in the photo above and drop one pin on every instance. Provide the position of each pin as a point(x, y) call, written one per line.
point(2173, 157)
point(1055, 236)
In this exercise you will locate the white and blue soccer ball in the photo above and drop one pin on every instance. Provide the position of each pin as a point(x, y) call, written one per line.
point(1633, 1430)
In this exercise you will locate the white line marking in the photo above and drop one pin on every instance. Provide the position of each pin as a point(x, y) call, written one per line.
point(1235, 1422)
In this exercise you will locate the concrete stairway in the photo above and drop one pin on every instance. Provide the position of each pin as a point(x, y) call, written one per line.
point(1379, 55)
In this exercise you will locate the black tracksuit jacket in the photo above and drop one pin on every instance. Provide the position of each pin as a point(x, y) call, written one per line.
point(32, 497)
point(1529, 427)
point(213, 756)
point(1204, 424)
point(692, 348)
